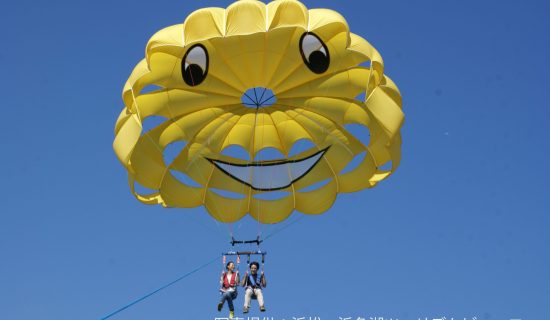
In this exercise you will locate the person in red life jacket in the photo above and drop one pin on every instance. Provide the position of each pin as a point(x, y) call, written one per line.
point(254, 282)
point(229, 282)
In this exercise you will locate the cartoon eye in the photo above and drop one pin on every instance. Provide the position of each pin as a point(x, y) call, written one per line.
point(314, 52)
point(194, 66)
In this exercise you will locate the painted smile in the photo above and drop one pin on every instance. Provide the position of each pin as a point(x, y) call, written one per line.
point(270, 175)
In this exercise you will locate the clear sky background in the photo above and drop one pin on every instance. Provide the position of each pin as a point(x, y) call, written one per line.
point(461, 230)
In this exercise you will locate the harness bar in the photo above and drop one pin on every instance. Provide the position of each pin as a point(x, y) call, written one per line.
point(244, 253)
point(234, 242)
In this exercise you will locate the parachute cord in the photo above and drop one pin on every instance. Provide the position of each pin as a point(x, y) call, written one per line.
point(252, 157)
point(259, 233)
point(232, 235)
point(207, 228)
point(159, 289)
point(283, 228)
point(259, 201)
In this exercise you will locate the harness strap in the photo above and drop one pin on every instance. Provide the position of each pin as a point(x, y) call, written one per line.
point(253, 283)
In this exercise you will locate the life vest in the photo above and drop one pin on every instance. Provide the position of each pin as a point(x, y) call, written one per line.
point(232, 283)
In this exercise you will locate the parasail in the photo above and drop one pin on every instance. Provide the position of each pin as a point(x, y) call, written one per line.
point(258, 77)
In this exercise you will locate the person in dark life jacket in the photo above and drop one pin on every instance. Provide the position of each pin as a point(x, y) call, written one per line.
point(254, 282)
point(229, 281)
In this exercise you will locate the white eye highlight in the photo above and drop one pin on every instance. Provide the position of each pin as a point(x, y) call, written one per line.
point(314, 52)
point(197, 55)
point(195, 65)
point(310, 44)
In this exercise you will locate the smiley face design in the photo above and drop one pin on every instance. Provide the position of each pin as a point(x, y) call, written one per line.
point(253, 106)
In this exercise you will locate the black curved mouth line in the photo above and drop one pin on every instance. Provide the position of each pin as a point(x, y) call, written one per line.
point(270, 175)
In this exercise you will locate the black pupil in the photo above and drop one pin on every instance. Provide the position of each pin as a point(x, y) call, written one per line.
point(318, 62)
point(193, 75)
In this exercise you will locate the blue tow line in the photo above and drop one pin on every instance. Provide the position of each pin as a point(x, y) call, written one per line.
point(159, 289)
point(186, 275)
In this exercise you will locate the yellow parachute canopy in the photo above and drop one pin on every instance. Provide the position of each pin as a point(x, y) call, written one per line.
point(258, 77)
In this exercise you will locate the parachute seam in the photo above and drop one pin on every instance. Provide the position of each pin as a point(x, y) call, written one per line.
point(322, 78)
point(324, 156)
point(355, 102)
point(226, 116)
point(266, 19)
point(161, 149)
point(324, 129)
point(244, 187)
point(286, 152)
point(292, 71)
point(230, 68)
point(192, 138)
point(309, 81)
point(278, 64)
point(253, 155)
point(302, 113)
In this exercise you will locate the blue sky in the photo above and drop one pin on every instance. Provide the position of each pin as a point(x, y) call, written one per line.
point(461, 229)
